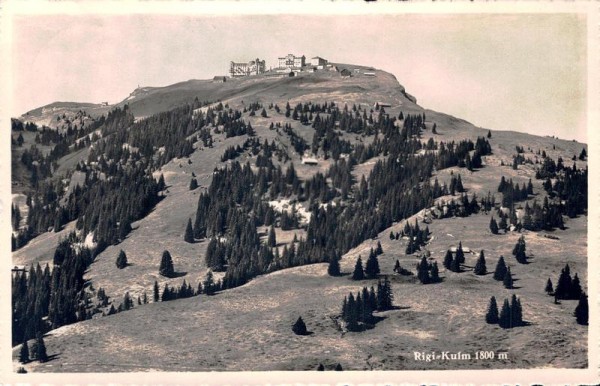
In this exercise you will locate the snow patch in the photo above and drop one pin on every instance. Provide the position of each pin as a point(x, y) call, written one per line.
point(285, 205)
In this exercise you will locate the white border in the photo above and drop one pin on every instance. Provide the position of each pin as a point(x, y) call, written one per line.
point(11, 8)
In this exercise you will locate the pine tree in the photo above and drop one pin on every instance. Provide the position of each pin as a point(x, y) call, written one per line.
point(166, 265)
point(40, 346)
point(519, 250)
point(397, 266)
point(489, 134)
point(161, 185)
point(384, 295)
point(492, 313)
point(271, 240)
point(121, 260)
point(435, 273)
point(378, 249)
point(351, 314)
point(24, 352)
point(358, 273)
point(299, 328)
point(455, 265)
point(423, 271)
point(338, 367)
point(508, 280)
point(156, 294)
point(576, 291)
point(493, 226)
point(209, 284)
point(334, 266)
point(480, 268)
point(563, 287)
point(516, 312)
point(500, 270)
point(321, 367)
point(448, 260)
point(189, 232)
point(504, 319)
point(460, 255)
point(193, 184)
point(127, 302)
point(549, 288)
point(372, 266)
point(582, 310)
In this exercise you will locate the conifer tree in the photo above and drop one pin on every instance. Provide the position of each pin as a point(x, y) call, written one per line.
point(423, 271)
point(121, 260)
point(480, 268)
point(505, 319)
point(372, 266)
point(321, 367)
point(500, 270)
point(166, 294)
point(155, 292)
point(338, 367)
point(209, 284)
point(127, 302)
point(491, 316)
point(493, 226)
point(460, 255)
point(161, 183)
point(271, 240)
point(351, 316)
point(24, 352)
point(576, 291)
point(519, 250)
point(299, 328)
point(40, 346)
point(189, 232)
point(582, 311)
point(435, 273)
point(166, 265)
point(455, 265)
point(392, 236)
point(384, 295)
point(563, 287)
point(397, 266)
point(378, 249)
point(516, 312)
point(549, 288)
point(358, 273)
point(193, 184)
point(508, 280)
point(334, 266)
point(448, 260)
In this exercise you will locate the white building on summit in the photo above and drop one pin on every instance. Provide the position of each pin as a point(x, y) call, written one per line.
point(253, 67)
point(292, 61)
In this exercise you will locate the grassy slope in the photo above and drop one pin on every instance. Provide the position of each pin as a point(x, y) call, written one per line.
point(248, 328)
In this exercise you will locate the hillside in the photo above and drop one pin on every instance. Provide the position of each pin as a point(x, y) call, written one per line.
point(249, 327)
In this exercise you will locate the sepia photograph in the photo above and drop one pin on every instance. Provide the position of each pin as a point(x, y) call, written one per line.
point(227, 190)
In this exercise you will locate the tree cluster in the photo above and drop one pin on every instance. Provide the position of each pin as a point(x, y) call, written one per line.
point(510, 316)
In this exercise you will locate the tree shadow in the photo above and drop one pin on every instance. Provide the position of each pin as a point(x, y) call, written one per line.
point(176, 275)
point(53, 357)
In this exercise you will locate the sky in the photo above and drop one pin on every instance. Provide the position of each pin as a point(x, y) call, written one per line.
point(522, 72)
